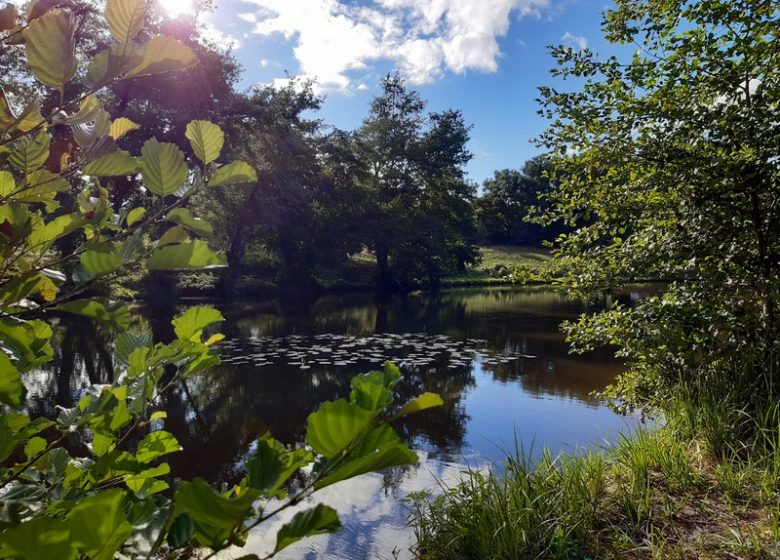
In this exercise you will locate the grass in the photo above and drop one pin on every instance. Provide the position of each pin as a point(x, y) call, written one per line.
point(651, 496)
point(497, 263)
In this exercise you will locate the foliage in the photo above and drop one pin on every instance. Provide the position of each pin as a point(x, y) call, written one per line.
point(670, 161)
point(418, 203)
point(509, 199)
point(90, 483)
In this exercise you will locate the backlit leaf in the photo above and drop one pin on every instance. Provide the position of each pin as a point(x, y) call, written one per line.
point(191, 323)
point(185, 256)
point(11, 387)
point(125, 18)
point(206, 139)
point(162, 167)
point(162, 54)
point(135, 215)
point(116, 315)
point(233, 173)
point(98, 525)
point(155, 445)
point(184, 218)
point(101, 258)
point(335, 425)
point(29, 152)
point(423, 402)
point(121, 126)
point(51, 51)
point(119, 163)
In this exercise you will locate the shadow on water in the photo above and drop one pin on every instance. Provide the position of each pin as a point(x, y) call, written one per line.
point(496, 356)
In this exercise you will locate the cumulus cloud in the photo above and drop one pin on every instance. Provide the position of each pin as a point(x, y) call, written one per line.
point(333, 40)
point(575, 40)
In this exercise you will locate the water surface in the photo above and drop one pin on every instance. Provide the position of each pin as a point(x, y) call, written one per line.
point(496, 356)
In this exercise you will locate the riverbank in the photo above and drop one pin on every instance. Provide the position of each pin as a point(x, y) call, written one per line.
point(678, 492)
point(496, 264)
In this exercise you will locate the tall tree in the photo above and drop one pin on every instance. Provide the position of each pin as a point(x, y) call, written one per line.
point(418, 216)
point(672, 157)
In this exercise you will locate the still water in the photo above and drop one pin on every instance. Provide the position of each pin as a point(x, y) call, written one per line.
point(496, 356)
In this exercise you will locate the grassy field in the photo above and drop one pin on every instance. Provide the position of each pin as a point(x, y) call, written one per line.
point(497, 262)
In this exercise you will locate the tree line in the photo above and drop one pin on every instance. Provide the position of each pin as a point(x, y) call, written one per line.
point(394, 190)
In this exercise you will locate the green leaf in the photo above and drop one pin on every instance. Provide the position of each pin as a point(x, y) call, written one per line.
point(128, 342)
point(190, 324)
point(176, 234)
point(101, 258)
point(24, 286)
point(98, 526)
point(156, 444)
point(28, 340)
point(206, 140)
point(29, 152)
point(115, 315)
point(162, 54)
point(42, 236)
point(184, 218)
point(51, 51)
point(162, 167)
point(41, 537)
point(121, 126)
point(232, 173)
point(318, 520)
point(366, 455)
point(11, 387)
point(181, 531)
point(368, 395)
point(34, 446)
point(110, 64)
point(423, 402)
point(214, 516)
point(7, 183)
point(185, 256)
point(125, 18)
point(135, 215)
point(145, 481)
point(335, 425)
point(273, 465)
point(116, 164)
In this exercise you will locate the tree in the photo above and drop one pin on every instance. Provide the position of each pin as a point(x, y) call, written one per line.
point(510, 199)
point(671, 159)
point(90, 483)
point(270, 129)
point(418, 216)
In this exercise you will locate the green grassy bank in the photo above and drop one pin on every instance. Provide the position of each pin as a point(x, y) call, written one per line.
point(683, 491)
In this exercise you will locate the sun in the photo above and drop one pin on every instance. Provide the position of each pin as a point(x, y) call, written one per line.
point(177, 8)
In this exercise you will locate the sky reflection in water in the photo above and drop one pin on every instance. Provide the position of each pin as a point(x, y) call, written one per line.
point(496, 356)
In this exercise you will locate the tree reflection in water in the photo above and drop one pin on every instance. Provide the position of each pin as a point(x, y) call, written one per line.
point(217, 415)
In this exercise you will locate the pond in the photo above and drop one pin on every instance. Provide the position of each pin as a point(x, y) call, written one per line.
point(496, 356)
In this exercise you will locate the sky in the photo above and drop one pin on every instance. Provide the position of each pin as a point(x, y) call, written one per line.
point(484, 57)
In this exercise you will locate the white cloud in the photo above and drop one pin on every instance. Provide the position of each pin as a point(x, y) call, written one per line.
point(334, 40)
point(575, 40)
point(210, 34)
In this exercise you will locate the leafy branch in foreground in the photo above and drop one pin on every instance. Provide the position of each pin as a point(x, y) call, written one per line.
point(91, 483)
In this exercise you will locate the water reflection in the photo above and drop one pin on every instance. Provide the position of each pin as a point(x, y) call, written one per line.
point(538, 396)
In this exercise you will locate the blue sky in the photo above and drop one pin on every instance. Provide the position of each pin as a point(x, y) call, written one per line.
point(485, 57)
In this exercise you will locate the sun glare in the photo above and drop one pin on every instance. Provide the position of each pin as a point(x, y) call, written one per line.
point(176, 8)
